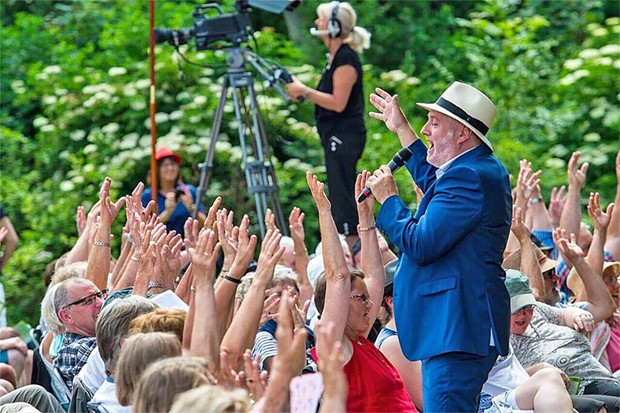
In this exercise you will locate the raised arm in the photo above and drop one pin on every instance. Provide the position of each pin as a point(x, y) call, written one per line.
point(99, 255)
point(570, 219)
point(600, 303)
point(10, 240)
point(296, 227)
point(205, 334)
point(372, 262)
point(243, 328)
point(529, 261)
point(600, 220)
point(613, 233)
point(230, 277)
point(338, 281)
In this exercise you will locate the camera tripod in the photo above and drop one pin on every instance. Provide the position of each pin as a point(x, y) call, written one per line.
point(256, 155)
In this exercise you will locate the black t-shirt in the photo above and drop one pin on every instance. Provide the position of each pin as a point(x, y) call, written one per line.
point(352, 118)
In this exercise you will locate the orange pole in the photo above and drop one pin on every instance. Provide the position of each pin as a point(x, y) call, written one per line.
point(152, 106)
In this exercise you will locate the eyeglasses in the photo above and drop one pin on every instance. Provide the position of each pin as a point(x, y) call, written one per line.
point(362, 298)
point(89, 299)
point(550, 274)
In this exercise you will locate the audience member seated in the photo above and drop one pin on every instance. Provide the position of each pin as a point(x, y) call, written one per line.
point(138, 352)
point(350, 299)
point(541, 333)
point(164, 379)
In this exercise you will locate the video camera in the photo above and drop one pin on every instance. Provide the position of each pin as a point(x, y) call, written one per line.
point(230, 28)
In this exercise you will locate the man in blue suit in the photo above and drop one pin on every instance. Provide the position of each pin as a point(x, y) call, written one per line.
point(450, 304)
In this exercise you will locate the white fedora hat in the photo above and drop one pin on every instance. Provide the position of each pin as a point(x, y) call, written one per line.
point(467, 105)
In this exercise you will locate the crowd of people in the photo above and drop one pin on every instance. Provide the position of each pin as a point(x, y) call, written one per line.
point(489, 298)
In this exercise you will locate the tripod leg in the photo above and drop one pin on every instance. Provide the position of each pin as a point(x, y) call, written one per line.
point(270, 175)
point(259, 171)
point(206, 168)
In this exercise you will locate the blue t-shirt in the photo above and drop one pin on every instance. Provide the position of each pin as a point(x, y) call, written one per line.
point(180, 214)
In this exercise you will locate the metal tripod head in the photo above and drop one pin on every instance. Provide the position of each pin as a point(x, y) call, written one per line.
point(256, 154)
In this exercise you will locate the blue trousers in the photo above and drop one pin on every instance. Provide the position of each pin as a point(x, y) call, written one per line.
point(452, 382)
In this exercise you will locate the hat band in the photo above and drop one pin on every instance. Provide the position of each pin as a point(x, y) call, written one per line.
point(451, 107)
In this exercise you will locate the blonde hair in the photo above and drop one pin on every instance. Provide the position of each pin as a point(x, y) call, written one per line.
point(164, 379)
point(215, 399)
point(356, 37)
point(138, 352)
point(171, 320)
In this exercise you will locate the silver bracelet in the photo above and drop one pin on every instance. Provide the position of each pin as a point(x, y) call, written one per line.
point(101, 244)
point(156, 284)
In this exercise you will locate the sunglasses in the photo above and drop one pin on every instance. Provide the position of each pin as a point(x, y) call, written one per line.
point(362, 298)
point(550, 274)
point(89, 299)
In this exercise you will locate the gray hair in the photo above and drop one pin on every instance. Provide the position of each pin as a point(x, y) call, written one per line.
point(113, 323)
point(284, 275)
point(56, 297)
point(49, 313)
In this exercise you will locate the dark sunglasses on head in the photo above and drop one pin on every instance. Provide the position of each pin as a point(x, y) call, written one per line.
point(89, 299)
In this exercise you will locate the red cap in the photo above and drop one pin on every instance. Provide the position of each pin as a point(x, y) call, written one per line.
point(165, 152)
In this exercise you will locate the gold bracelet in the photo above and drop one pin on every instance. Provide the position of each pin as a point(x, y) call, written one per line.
point(364, 229)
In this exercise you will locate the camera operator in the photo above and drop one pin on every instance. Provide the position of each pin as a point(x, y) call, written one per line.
point(175, 200)
point(339, 111)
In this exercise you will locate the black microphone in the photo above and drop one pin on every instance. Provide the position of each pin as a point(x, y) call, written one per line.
point(395, 164)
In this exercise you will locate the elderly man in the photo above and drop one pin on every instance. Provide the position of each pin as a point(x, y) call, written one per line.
point(76, 303)
point(450, 304)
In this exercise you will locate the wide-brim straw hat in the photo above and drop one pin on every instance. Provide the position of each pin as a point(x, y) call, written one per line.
point(575, 284)
point(467, 105)
point(513, 261)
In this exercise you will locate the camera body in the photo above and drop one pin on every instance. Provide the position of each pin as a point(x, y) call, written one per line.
point(230, 28)
point(177, 193)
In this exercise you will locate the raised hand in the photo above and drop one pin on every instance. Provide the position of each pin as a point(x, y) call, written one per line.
point(270, 254)
point(576, 176)
point(270, 220)
point(317, 189)
point(568, 247)
point(557, 201)
point(296, 225)
point(389, 111)
point(211, 215)
point(600, 219)
point(518, 227)
point(80, 220)
point(228, 235)
point(204, 258)
point(190, 229)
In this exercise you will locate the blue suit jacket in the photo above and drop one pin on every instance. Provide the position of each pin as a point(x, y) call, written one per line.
point(449, 291)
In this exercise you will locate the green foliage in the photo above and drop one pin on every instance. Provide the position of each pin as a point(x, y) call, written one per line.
point(75, 102)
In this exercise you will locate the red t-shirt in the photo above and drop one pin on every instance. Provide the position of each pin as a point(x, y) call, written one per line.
point(374, 383)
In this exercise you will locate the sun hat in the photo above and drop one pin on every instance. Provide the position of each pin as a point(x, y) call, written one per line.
point(467, 105)
point(165, 152)
point(575, 284)
point(518, 287)
point(513, 261)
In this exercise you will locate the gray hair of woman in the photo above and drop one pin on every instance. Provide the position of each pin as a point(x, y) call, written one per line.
point(113, 324)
